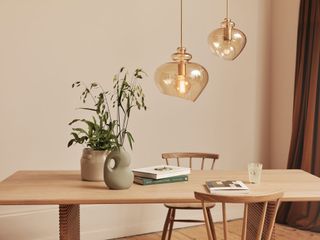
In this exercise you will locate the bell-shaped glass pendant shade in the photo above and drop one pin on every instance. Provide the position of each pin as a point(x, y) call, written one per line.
point(181, 78)
point(227, 42)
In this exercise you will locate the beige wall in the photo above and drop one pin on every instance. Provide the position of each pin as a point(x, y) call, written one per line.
point(284, 17)
point(47, 45)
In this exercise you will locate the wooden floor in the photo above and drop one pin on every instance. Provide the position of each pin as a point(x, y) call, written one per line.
point(198, 233)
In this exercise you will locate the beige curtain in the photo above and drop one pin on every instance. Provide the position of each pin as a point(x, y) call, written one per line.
point(305, 140)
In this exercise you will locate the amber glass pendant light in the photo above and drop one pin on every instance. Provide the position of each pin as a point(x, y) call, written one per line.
point(227, 42)
point(181, 78)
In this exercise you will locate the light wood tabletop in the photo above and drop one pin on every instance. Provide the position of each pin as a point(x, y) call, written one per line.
point(65, 187)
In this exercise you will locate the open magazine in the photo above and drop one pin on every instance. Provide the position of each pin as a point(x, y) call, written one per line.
point(227, 187)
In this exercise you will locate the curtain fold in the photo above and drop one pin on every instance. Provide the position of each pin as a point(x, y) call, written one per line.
point(305, 140)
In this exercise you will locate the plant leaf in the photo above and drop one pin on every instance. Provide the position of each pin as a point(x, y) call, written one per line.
point(89, 109)
point(73, 121)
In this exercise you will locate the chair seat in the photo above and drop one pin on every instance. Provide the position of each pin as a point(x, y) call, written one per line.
point(189, 205)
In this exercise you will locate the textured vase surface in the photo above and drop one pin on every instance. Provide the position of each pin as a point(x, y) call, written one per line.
point(117, 172)
point(92, 164)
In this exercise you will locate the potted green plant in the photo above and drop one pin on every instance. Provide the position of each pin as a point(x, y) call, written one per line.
point(96, 133)
point(127, 95)
point(102, 132)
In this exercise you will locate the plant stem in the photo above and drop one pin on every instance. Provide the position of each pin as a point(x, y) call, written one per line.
point(106, 100)
point(118, 112)
point(89, 91)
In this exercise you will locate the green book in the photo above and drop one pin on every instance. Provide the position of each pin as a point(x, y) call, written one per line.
point(149, 181)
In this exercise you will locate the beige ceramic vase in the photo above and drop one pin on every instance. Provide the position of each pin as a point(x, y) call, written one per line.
point(92, 164)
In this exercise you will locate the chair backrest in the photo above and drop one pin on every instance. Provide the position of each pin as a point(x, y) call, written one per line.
point(177, 158)
point(259, 213)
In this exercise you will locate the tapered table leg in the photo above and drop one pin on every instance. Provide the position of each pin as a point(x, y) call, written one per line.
point(69, 222)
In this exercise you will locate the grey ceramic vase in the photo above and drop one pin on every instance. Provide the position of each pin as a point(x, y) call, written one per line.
point(120, 175)
point(92, 164)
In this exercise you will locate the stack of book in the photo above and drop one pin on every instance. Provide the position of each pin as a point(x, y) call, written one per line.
point(160, 174)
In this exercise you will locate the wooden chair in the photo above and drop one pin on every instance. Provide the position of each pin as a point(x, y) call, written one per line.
point(259, 214)
point(178, 158)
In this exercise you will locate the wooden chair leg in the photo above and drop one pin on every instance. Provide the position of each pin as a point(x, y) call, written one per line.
point(166, 224)
point(173, 214)
point(225, 224)
point(207, 222)
point(213, 232)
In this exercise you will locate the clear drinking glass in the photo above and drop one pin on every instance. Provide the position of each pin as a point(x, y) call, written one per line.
point(254, 171)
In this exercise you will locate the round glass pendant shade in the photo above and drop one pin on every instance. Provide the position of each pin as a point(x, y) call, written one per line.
point(188, 85)
point(227, 42)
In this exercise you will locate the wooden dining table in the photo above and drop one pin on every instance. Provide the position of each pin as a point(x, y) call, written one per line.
point(65, 188)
